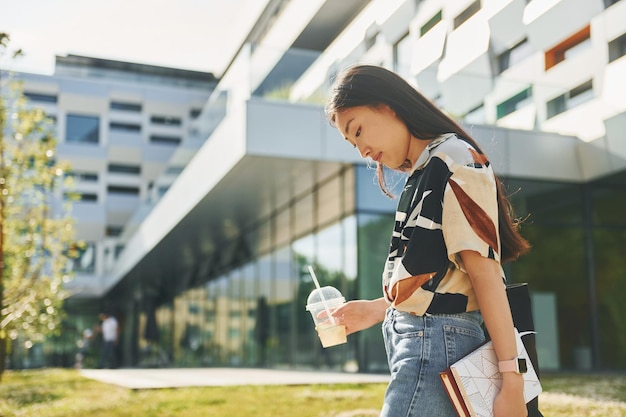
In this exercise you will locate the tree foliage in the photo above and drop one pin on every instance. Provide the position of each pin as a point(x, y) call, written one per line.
point(37, 233)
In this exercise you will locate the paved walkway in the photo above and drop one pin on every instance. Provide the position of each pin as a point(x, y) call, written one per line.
point(204, 377)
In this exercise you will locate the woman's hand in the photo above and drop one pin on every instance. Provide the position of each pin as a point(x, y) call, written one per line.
point(359, 315)
point(508, 402)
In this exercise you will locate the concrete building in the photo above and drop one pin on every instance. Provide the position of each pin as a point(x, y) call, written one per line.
point(215, 273)
point(127, 130)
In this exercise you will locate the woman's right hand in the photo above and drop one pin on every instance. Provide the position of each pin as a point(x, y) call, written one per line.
point(359, 315)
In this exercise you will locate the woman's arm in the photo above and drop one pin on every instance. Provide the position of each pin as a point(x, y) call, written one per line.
point(491, 295)
point(359, 315)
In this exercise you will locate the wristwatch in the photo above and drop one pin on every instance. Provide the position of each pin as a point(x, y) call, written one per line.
point(517, 365)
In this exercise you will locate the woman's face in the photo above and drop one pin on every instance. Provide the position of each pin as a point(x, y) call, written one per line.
point(378, 134)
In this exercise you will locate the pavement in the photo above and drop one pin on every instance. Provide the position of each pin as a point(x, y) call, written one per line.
point(207, 377)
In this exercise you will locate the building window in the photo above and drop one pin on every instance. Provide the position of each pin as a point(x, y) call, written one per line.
point(119, 105)
point(617, 48)
point(118, 250)
point(82, 176)
point(124, 169)
point(513, 103)
point(464, 16)
point(82, 129)
point(173, 170)
point(165, 140)
point(571, 46)
point(113, 231)
point(402, 56)
point(82, 197)
point(431, 23)
point(40, 98)
point(194, 113)
point(124, 127)
point(571, 99)
point(123, 189)
point(166, 120)
point(83, 258)
point(162, 190)
point(476, 115)
point(515, 55)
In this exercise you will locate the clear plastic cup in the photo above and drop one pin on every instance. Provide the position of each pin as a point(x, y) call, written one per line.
point(320, 302)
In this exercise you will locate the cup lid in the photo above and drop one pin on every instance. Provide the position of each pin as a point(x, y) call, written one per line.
point(326, 294)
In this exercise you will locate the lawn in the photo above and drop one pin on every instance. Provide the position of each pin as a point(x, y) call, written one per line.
point(64, 392)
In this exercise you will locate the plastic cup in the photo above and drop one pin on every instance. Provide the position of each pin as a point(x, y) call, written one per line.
point(322, 301)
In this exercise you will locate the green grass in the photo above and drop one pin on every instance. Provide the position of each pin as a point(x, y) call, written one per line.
point(64, 392)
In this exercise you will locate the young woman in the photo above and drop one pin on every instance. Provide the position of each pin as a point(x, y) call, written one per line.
point(453, 229)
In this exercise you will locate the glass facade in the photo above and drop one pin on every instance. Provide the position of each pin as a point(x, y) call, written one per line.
point(576, 269)
point(253, 312)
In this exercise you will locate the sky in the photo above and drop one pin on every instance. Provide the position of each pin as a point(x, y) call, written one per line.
point(200, 35)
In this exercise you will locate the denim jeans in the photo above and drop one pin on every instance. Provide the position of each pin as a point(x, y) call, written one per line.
point(418, 348)
point(108, 356)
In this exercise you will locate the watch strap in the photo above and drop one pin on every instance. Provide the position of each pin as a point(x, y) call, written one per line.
point(517, 365)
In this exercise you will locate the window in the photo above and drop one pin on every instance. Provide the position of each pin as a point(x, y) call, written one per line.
point(124, 127)
point(84, 258)
point(476, 115)
point(113, 231)
point(165, 140)
point(609, 3)
point(571, 99)
point(82, 197)
point(166, 120)
point(82, 129)
point(122, 189)
point(82, 176)
point(194, 113)
point(40, 98)
point(515, 55)
point(162, 190)
point(431, 23)
point(118, 250)
point(617, 48)
point(119, 105)
point(580, 94)
point(402, 56)
point(174, 170)
point(569, 47)
point(513, 103)
point(124, 169)
point(466, 14)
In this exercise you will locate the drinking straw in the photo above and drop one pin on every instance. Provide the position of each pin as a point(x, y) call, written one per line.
point(317, 284)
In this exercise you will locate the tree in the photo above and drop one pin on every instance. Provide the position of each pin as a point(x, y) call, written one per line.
point(36, 232)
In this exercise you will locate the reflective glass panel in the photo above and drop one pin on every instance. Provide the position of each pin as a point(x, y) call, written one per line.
point(82, 129)
point(555, 269)
point(373, 234)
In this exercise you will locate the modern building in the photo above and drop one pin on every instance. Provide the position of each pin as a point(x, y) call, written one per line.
point(215, 274)
point(127, 130)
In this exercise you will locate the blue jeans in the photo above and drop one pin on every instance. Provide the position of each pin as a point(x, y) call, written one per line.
point(108, 356)
point(418, 348)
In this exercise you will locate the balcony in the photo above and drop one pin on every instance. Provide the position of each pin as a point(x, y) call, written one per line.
point(550, 21)
point(505, 23)
point(465, 73)
point(427, 52)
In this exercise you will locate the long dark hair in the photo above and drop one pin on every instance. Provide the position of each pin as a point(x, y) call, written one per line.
point(368, 85)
